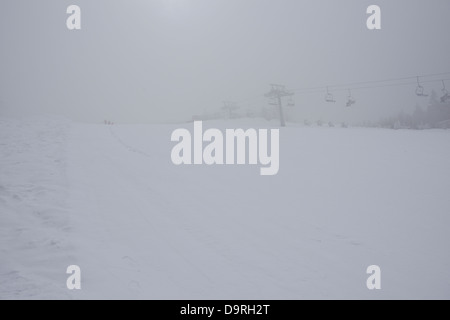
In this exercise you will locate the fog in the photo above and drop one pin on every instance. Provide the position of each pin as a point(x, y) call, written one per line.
point(167, 60)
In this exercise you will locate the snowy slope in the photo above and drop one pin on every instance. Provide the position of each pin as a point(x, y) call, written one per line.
point(34, 221)
point(112, 202)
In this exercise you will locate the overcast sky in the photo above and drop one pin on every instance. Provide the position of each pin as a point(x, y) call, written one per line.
point(165, 60)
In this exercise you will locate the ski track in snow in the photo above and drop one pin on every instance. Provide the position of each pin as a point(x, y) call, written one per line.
point(109, 199)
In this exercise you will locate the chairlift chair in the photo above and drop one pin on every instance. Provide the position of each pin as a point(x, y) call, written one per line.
point(350, 99)
point(420, 91)
point(291, 102)
point(329, 97)
point(446, 95)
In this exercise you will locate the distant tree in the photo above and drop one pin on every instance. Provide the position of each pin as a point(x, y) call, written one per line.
point(436, 115)
point(418, 117)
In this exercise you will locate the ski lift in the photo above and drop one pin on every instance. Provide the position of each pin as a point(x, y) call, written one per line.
point(420, 91)
point(273, 102)
point(329, 97)
point(291, 102)
point(350, 99)
point(446, 95)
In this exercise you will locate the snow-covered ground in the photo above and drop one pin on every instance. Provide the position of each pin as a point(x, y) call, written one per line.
point(109, 199)
point(34, 221)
